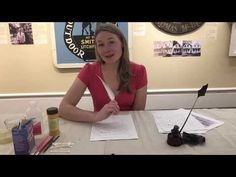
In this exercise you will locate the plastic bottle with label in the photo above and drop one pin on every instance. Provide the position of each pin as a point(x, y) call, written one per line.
point(34, 112)
point(53, 121)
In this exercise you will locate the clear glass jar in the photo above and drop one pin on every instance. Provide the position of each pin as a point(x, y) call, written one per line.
point(34, 112)
point(53, 121)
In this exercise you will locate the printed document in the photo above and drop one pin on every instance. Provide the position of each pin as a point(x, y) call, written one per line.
point(113, 128)
point(196, 123)
point(208, 122)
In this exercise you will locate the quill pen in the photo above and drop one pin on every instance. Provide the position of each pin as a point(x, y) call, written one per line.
point(108, 89)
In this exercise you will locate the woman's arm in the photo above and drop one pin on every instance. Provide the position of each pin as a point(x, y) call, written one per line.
point(68, 109)
point(140, 98)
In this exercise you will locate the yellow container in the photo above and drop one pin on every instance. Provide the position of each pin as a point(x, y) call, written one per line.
point(53, 121)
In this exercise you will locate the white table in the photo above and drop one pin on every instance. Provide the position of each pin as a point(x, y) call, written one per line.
point(220, 140)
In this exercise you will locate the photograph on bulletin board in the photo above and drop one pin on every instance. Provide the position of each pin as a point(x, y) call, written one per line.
point(74, 42)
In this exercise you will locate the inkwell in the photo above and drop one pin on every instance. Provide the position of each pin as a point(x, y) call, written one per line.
point(175, 138)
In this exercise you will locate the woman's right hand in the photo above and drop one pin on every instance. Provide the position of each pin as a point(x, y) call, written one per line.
point(110, 108)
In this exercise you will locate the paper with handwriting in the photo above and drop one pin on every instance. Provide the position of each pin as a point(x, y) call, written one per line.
point(113, 128)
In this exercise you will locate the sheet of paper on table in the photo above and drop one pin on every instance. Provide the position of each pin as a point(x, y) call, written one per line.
point(197, 123)
point(113, 128)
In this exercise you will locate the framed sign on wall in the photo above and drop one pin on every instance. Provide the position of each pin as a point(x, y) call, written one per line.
point(74, 43)
point(177, 28)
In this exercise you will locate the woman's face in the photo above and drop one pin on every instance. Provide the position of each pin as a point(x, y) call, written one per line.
point(109, 47)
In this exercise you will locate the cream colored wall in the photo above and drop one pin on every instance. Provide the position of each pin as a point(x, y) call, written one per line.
point(30, 68)
point(214, 66)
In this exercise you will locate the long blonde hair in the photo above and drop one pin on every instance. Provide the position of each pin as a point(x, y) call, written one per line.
point(124, 69)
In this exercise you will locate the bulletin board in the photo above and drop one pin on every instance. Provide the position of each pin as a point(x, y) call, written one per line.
point(73, 42)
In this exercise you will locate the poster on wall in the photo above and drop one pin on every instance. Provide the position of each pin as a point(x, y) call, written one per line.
point(21, 33)
point(183, 48)
point(74, 42)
